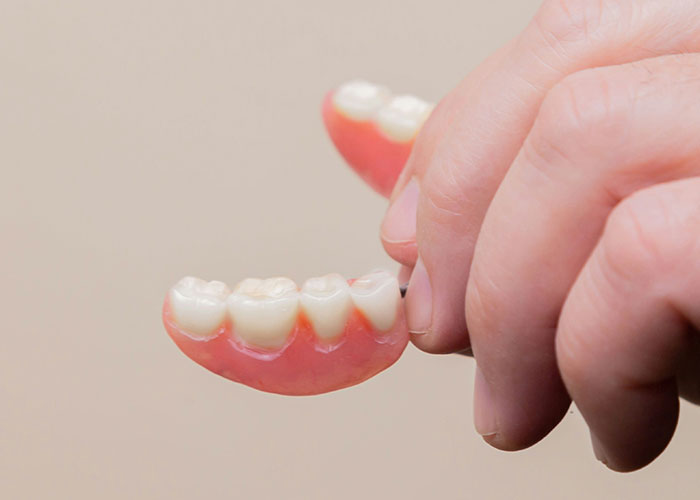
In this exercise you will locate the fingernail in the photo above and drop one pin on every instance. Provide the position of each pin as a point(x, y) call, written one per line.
point(484, 410)
point(400, 220)
point(405, 274)
point(598, 450)
point(419, 300)
point(467, 352)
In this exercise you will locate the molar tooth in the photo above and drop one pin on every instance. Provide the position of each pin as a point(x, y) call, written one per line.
point(199, 307)
point(403, 116)
point(326, 301)
point(360, 100)
point(264, 311)
point(377, 295)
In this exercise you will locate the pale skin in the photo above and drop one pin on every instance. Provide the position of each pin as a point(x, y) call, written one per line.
point(549, 219)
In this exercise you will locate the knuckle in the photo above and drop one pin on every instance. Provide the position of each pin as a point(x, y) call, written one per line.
point(577, 113)
point(565, 21)
point(580, 104)
point(445, 186)
point(645, 233)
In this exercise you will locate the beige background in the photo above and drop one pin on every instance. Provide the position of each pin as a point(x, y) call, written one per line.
point(142, 141)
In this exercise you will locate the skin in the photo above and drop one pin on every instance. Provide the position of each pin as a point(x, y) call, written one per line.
point(549, 219)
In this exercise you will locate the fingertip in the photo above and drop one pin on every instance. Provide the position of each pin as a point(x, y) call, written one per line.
point(626, 444)
point(510, 425)
point(485, 418)
point(419, 301)
point(432, 344)
point(404, 274)
point(398, 230)
point(430, 332)
point(403, 252)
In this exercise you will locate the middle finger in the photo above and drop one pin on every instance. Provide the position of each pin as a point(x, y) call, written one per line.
point(601, 135)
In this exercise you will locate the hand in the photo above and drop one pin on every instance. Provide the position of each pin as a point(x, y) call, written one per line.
point(550, 213)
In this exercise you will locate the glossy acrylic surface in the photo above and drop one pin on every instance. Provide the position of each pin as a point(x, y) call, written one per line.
point(376, 158)
point(305, 365)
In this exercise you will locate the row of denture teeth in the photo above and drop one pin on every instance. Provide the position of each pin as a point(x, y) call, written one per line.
point(264, 312)
point(399, 117)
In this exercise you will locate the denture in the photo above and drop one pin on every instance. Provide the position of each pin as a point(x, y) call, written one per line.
point(273, 336)
point(374, 130)
point(331, 333)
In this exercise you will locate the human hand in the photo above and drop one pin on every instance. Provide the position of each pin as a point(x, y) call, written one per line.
point(550, 216)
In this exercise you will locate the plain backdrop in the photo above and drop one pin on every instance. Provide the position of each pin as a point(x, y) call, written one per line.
point(144, 141)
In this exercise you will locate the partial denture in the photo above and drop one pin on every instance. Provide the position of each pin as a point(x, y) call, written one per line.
point(272, 336)
point(331, 333)
point(373, 129)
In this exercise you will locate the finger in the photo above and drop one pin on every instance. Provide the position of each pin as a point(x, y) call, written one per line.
point(373, 129)
point(601, 135)
point(404, 275)
point(489, 116)
point(627, 322)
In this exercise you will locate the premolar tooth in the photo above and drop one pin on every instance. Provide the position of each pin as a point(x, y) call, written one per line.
point(326, 301)
point(264, 311)
point(402, 117)
point(360, 100)
point(199, 307)
point(377, 295)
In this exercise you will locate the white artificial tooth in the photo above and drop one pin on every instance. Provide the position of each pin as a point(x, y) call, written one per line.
point(326, 301)
point(377, 296)
point(199, 307)
point(402, 117)
point(263, 312)
point(360, 100)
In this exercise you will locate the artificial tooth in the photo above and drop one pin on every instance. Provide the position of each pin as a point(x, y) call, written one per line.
point(377, 296)
point(360, 100)
point(327, 303)
point(264, 312)
point(198, 306)
point(402, 117)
